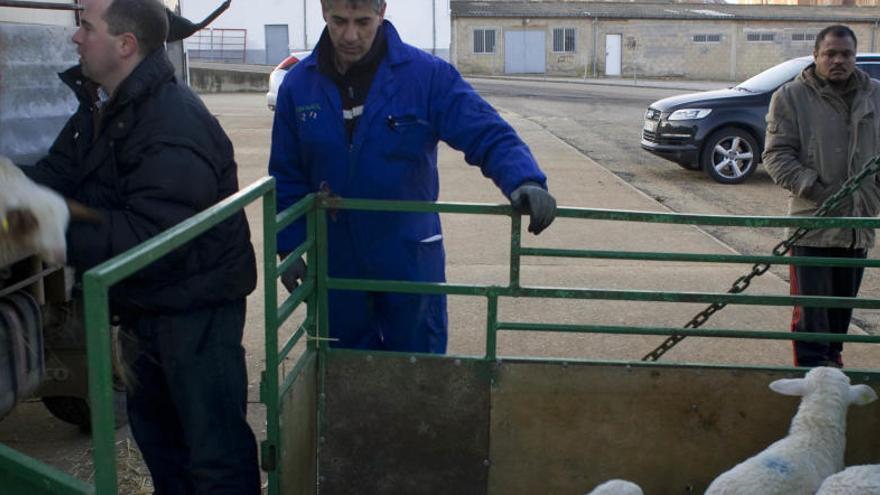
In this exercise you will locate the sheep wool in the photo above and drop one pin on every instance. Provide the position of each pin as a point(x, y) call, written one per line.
point(617, 487)
point(814, 447)
point(854, 480)
point(49, 208)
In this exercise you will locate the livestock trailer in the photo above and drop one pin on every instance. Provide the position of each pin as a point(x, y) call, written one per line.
point(349, 421)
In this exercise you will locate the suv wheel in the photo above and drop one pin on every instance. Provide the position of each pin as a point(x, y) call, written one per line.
point(730, 155)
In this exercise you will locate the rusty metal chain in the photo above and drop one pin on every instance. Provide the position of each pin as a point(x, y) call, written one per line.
point(781, 249)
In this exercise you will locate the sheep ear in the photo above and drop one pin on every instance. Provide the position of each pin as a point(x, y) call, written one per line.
point(861, 395)
point(789, 386)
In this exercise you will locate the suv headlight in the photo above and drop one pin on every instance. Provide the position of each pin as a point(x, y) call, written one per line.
point(690, 114)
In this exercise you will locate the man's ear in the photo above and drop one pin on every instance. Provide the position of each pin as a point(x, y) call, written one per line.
point(128, 45)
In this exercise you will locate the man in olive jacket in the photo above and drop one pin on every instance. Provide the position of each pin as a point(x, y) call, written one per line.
point(823, 128)
point(144, 152)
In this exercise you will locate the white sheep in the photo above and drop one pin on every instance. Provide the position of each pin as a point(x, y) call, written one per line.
point(854, 480)
point(18, 192)
point(617, 487)
point(814, 447)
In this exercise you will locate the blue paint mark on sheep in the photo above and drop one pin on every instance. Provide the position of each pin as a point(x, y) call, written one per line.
point(778, 465)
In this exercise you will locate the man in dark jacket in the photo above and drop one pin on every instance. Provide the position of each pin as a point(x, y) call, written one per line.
point(145, 153)
point(822, 129)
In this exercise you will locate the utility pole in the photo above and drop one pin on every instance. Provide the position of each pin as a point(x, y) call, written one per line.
point(434, 27)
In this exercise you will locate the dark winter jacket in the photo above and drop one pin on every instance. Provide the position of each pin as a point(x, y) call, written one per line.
point(152, 157)
point(816, 141)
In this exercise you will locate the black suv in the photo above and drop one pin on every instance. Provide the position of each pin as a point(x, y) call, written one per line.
point(722, 131)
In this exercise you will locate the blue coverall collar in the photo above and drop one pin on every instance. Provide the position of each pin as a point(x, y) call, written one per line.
point(396, 53)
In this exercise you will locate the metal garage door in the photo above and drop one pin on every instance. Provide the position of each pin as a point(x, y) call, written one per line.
point(277, 43)
point(524, 52)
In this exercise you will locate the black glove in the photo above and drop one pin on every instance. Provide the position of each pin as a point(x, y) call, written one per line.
point(533, 199)
point(297, 271)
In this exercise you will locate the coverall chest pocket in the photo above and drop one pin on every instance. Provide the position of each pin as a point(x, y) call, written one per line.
point(411, 137)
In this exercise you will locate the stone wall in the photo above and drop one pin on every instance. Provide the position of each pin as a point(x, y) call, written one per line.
point(653, 48)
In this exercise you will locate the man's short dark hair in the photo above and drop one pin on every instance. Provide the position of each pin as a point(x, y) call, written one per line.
point(376, 4)
point(145, 19)
point(836, 31)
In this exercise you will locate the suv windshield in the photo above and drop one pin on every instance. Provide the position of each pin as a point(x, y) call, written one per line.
point(775, 76)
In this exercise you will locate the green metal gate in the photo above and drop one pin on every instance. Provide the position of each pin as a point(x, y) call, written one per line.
point(293, 458)
point(293, 469)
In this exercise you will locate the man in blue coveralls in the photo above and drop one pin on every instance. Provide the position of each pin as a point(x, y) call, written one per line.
point(362, 116)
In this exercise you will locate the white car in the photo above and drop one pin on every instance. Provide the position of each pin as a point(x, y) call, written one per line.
point(278, 74)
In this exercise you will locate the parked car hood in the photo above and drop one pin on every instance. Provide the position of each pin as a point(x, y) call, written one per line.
point(703, 97)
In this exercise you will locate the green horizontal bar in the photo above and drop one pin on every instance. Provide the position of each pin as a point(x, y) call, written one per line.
point(603, 214)
point(294, 255)
point(295, 372)
point(22, 474)
point(697, 257)
point(416, 206)
point(719, 220)
point(123, 265)
point(601, 294)
point(408, 287)
point(670, 331)
point(292, 341)
point(293, 301)
point(295, 211)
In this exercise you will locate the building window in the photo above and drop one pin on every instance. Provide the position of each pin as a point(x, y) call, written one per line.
point(803, 36)
point(484, 41)
point(707, 38)
point(563, 40)
point(760, 36)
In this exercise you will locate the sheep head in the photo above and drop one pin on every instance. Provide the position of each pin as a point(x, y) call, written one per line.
point(827, 380)
point(617, 487)
point(18, 193)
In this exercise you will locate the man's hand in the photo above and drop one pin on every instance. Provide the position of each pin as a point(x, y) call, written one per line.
point(18, 223)
point(533, 199)
point(82, 213)
point(291, 278)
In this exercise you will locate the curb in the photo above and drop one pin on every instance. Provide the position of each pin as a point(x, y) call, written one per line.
point(672, 85)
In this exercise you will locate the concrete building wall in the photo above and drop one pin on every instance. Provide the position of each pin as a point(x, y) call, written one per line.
point(654, 48)
point(412, 18)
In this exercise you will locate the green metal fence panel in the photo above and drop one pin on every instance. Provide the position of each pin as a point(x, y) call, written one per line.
point(514, 288)
point(32, 477)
